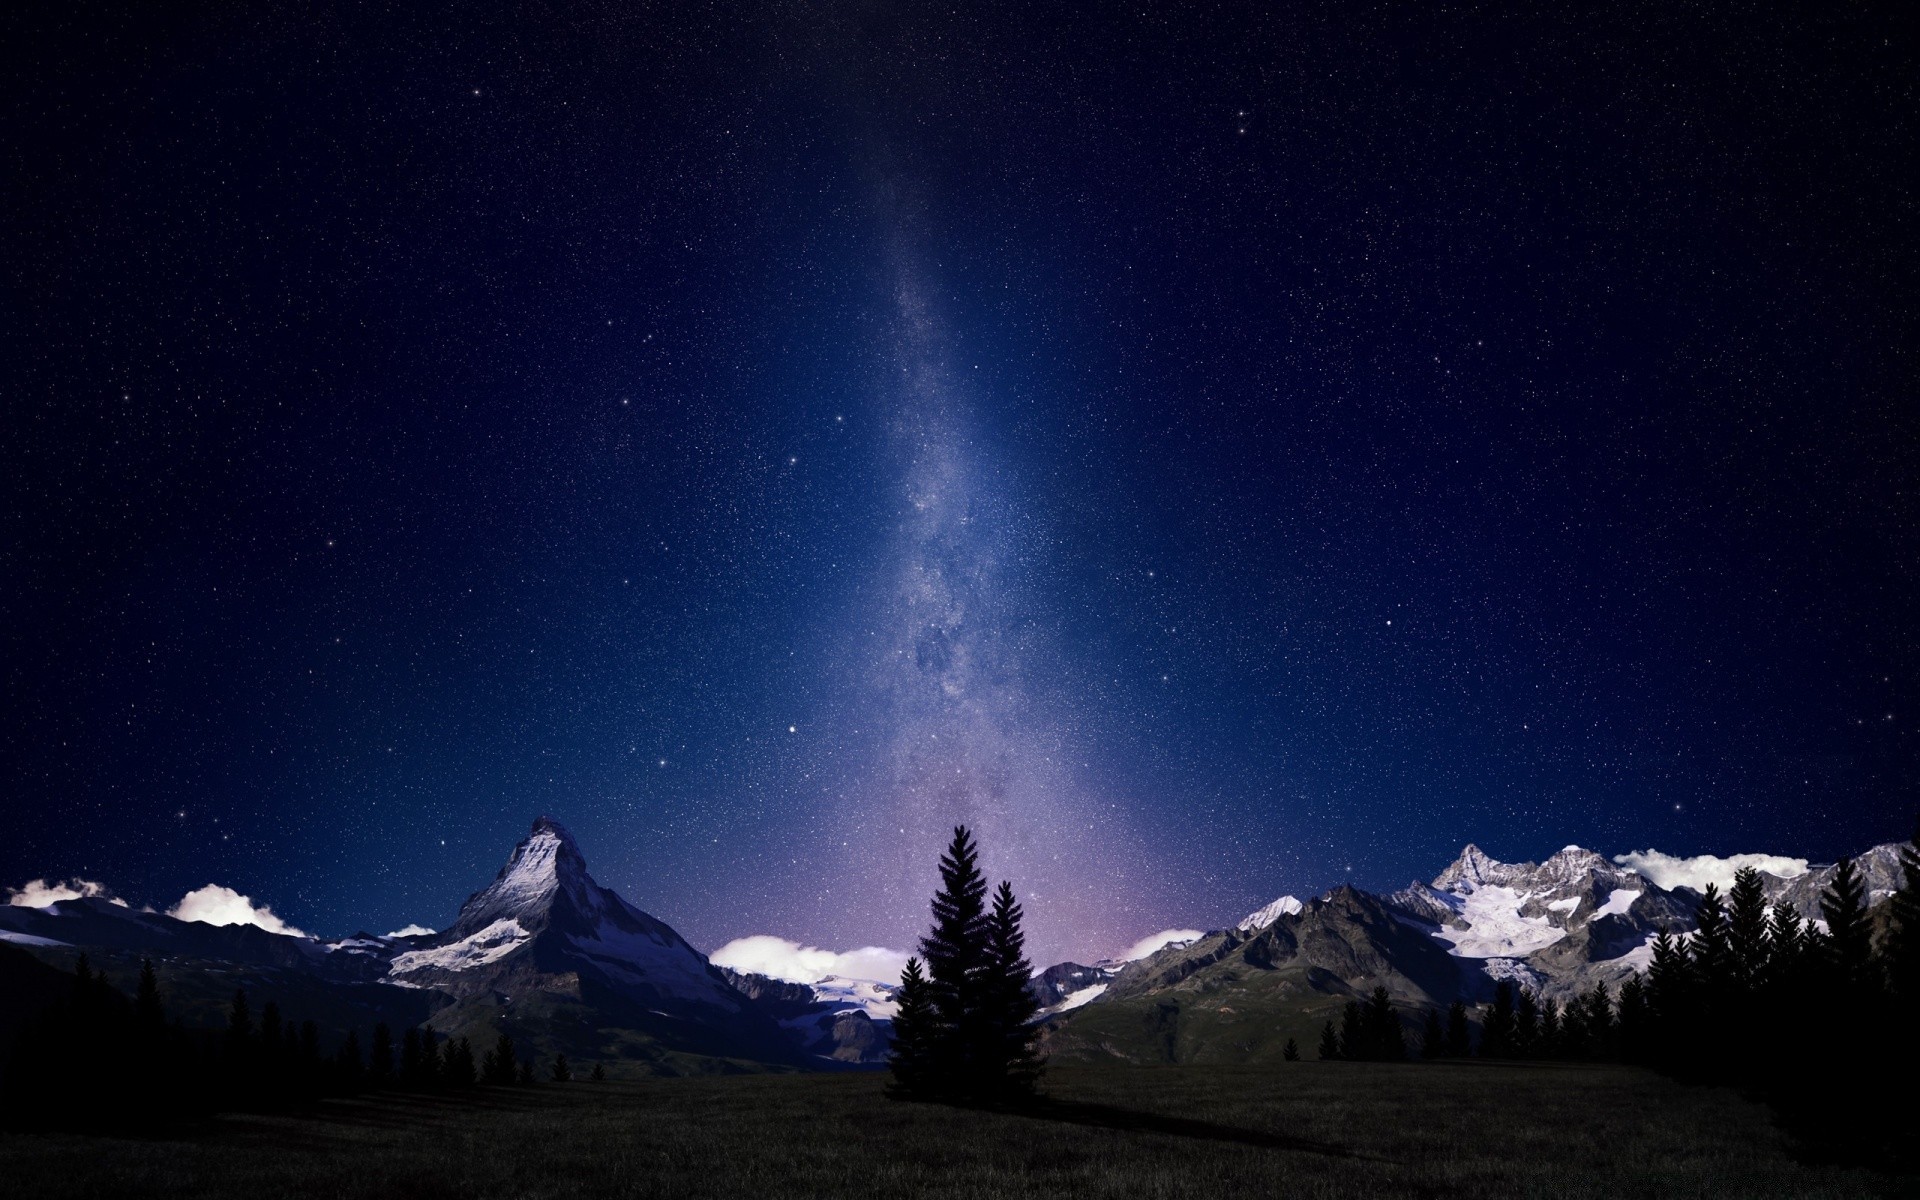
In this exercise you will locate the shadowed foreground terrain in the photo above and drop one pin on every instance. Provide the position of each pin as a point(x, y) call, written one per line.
point(1299, 1129)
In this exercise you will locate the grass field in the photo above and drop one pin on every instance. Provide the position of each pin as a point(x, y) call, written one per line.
point(1302, 1129)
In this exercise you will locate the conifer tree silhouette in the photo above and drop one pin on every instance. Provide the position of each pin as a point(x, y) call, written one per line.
point(1433, 1038)
point(1713, 967)
point(1786, 951)
point(146, 1002)
point(380, 1057)
point(1459, 1036)
point(1599, 1022)
point(1496, 1029)
point(1329, 1044)
point(500, 1065)
point(1291, 1051)
point(309, 1058)
point(1384, 1040)
point(349, 1064)
point(968, 1031)
point(1011, 1062)
point(914, 1059)
point(1848, 940)
point(599, 1074)
point(458, 1069)
point(525, 1077)
point(955, 953)
point(1353, 1036)
point(239, 1023)
point(1747, 929)
point(1632, 1020)
point(410, 1058)
point(432, 1059)
point(1552, 1040)
point(1526, 1025)
point(562, 1073)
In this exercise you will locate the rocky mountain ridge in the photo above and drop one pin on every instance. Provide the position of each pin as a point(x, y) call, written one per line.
point(1559, 927)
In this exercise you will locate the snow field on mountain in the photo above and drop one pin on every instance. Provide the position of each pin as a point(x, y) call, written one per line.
point(495, 941)
point(1495, 928)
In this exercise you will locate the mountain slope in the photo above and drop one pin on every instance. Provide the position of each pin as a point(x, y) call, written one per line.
point(1236, 996)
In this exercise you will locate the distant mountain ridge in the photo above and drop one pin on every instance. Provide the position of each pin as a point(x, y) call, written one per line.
point(1559, 926)
point(566, 965)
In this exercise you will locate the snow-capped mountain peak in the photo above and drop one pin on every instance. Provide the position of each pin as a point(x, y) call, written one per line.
point(1473, 869)
point(1260, 918)
point(545, 864)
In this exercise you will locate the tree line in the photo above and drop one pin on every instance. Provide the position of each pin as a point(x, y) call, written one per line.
point(99, 1060)
point(965, 1028)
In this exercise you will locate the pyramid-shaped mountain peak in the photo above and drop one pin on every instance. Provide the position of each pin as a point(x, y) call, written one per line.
point(544, 871)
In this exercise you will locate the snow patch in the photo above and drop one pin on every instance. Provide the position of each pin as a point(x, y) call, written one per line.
point(1566, 906)
point(1260, 918)
point(1080, 996)
point(26, 939)
point(1697, 872)
point(1618, 903)
point(412, 931)
point(495, 941)
point(1495, 928)
point(877, 1000)
point(1640, 958)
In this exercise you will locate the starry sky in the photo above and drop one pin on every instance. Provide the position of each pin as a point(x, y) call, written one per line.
point(1213, 450)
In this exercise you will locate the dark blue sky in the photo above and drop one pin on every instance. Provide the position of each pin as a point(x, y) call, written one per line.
point(1215, 452)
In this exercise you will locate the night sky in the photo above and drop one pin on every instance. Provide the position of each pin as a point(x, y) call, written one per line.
point(1215, 451)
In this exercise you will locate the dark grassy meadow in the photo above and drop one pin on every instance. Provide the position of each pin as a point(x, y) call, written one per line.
point(1302, 1129)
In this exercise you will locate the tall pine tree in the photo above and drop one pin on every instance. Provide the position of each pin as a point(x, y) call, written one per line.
point(380, 1061)
point(1526, 1025)
point(146, 1002)
point(1747, 928)
point(1329, 1044)
point(1849, 938)
point(917, 1033)
point(955, 952)
point(1353, 1032)
point(1014, 1063)
point(1459, 1036)
point(1496, 1030)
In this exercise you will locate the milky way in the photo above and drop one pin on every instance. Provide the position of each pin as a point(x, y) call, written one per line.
point(967, 685)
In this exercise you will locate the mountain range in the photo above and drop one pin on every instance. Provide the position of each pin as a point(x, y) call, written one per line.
point(1560, 927)
point(567, 966)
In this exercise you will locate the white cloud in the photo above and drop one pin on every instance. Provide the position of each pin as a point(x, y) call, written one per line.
point(216, 905)
point(1697, 872)
point(412, 931)
point(38, 893)
point(1160, 941)
point(778, 958)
